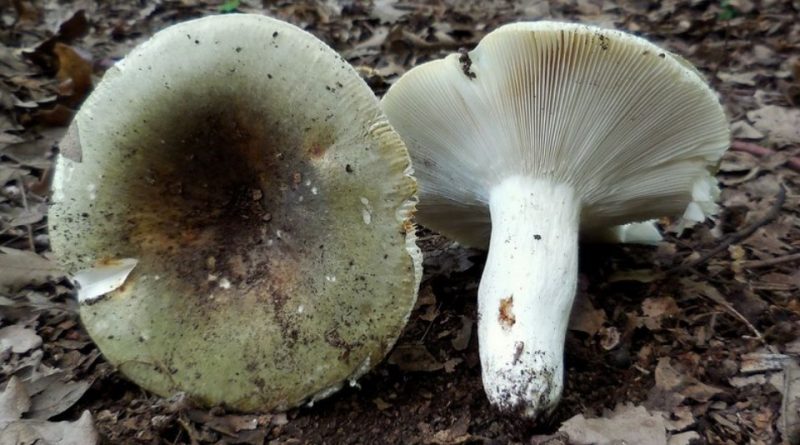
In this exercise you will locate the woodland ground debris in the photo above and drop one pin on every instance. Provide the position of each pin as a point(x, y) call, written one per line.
point(703, 367)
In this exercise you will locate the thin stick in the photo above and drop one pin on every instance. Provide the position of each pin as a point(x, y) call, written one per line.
point(720, 300)
point(430, 324)
point(737, 236)
point(189, 430)
point(754, 264)
point(757, 150)
point(27, 209)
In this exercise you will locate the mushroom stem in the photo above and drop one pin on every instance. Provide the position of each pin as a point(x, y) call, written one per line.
point(526, 292)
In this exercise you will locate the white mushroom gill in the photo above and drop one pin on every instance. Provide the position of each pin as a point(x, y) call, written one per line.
point(543, 131)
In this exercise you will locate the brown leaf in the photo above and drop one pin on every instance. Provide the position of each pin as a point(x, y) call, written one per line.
point(456, 434)
point(58, 116)
point(742, 130)
point(687, 438)
point(23, 217)
point(381, 404)
point(74, 74)
point(9, 173)
point(748, 78)
point(14, 401)
point(461, 341)
point(414, 357)
point(27, 12)
point(656, 309)
point(763, 362)
point(80, 432)
point(229, 425)
point(35, 153)
point(609, 337)
point(673, 387)
point(626, 424)
point(56, 398)
point(68, 30)
point(19, 339)
point(681, 419)
point(385, 11)
point(450, 365)
point(426, 297)
point(789, 421)
point(781, 124)
point(584, 317)
point(19, 268)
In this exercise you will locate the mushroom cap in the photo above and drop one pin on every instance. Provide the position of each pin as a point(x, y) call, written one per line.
point(247, 175)
point(633, 129)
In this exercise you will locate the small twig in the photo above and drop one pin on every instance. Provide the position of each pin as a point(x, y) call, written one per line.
point(189, 430)
point(754, 264)
point(24, 196)
point(737, 236)
point(177, 437)
point(430, 324)
point(757, 150)
point(718, 299)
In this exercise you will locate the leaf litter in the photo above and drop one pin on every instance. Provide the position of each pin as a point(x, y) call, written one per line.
point(707, 354)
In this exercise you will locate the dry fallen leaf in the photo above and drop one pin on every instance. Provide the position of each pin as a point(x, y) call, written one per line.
point(673, 387)
point(230, 425)
point(748, 78)
point(18, 339)
point(584, 316)
point(385, 11)
point(763, 362)
point(789, 421)
point(742, 130)
point(80, 432)
point(609, 337)
point(414, 357)
point(19, 268)
point(14, 402)
point(381, 404)
point(781, 124)
point(74, 73)
point(456, 434)
point(461, 340)
point(56, 398)
point(657, 309)
point(686, 438)
point(626, 424)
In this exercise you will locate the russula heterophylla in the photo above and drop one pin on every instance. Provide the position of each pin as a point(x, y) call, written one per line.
point(239, 181)
point(544, 130)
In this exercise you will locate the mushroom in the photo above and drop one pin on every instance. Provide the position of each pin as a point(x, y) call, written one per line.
point(544, 130)
point(237, 185)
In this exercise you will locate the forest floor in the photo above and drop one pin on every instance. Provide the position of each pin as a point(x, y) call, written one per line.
point(691, 341)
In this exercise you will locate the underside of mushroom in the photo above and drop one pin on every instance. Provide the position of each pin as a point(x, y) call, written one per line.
point(544, 131)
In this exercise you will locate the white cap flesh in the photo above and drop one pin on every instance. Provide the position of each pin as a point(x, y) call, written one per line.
point(544, 130)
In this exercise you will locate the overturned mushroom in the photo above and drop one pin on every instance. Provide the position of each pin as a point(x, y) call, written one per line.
point(238, 180)
point(543, 130)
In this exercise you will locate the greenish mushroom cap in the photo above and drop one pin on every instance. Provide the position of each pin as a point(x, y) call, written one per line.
point(247, 175)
